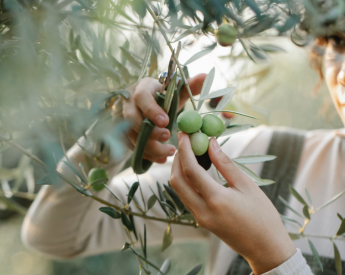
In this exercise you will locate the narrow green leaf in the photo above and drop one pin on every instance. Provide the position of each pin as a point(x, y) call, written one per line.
point(296, 195)
point(132, 191)
point(99, 182)
point(187, 217)
point(206, 87)
point(288, 206)
point(151, 202)
point(284, 218)
point(46, 180)
point(169, 206)
point(174, 197)
point(131, 219)
point(199, 55)
point(253, 176)
point(165, 267)
point(170, 94)
point(145, 244)
point(130, 58)
point(337, 259)
point(219, 93)
point(340, 216)
point(306, 212)
point(341, 229)
point(142, 196)
point(224, 141)
point(160, 192)
point(125, 221)
point(254, 159)
point(159, 201)
point(271, 48)
point(233, 130)
point(294, 236)
point(148, 272)
point(75, 172)
point(116, 197)
point(112, 212)
point(231, 112)
point(224, 101)
point(188, 32)
point(308, 196)
point(145, 62)
point(195, 270)
point(167, 238)
point(331, 200)
point(315, 254)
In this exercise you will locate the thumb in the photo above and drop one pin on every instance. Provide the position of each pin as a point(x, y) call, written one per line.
point(229, 170)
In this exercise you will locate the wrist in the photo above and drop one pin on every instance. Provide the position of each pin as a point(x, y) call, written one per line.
point(264, 260)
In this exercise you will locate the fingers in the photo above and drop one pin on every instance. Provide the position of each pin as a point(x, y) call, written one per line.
point(232, 174)
point(154, 150)
point(144, 99)
point(195, 85)
point(187, 193)
point(197, 176)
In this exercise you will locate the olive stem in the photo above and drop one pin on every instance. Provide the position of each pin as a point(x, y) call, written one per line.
point(156, 19)
point(226, 111)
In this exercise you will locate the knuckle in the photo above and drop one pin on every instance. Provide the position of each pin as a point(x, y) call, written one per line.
point(188, 171)
point(214, 203)
point(225, 159)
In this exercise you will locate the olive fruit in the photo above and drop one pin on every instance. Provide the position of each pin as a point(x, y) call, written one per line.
point(204, 161)
point(212, 126)
point(226, 34)
point(199, 142)
point(97, 174)
point(189, 121)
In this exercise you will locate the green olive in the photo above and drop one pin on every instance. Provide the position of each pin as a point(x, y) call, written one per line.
point(97, 174)
point(189, 121)
point(226, 34)
point(199, 142)
point(212, 126)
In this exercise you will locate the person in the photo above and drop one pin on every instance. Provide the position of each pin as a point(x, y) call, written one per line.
point(243, 226)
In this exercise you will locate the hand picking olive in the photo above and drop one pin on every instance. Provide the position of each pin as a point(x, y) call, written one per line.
point(199, 142)
point(189, 121)
point(212, 126)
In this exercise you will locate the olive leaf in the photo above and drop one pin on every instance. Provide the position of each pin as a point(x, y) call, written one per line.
point(130, 58)
point(145, 62)
point(170, 94)
point(151, 202)
point(112, 212)
point(219, 93)
point(114, 195)
point(169, 206)
point(315, 254)
point(167, 238)
point(254, 159)
point(337, 260)
point(175, 197)
point(296, 195)
point(159, 201)
point(187, 217)
point(271, 48)
point(200, 54)
point(294, 236)
point(131, 219)
point(99, 182)
point(253, 176)
point(340, 216)
point(188, 32)
point(288, 206)
point(284, 218)
point(195, 270)
point(125, 221)
point(224, 141)
point(45, 180)
point(132, 191)
point(165, 267)
point(331, 200)
point(306, 212)
point(75, 172)
point(206, 87)
point(308, 196)
point(341, 229)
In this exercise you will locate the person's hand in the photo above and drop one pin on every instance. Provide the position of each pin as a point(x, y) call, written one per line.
point(141, 104)
point(241, 215)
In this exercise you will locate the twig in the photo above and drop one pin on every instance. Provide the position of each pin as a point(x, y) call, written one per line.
point(156, 19)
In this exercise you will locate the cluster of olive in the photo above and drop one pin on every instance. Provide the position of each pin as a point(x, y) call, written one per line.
point(200, 129)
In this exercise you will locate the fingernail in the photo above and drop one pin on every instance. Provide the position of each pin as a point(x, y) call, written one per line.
point(178, 136)
point(160, 120)
point(172, 152)
point(164, 137)
point(215, 145)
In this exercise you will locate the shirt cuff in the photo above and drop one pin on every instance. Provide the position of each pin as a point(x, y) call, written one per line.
point(296, 265)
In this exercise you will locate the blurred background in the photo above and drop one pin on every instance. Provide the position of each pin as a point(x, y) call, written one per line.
point(71, 62)
point(279, 91)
